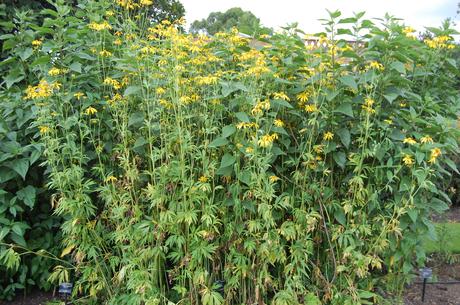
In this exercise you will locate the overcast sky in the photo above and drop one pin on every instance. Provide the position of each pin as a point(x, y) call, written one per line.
point(417, 13)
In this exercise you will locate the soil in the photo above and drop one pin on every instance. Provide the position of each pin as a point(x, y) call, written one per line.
point(437, 294)
point(35, 297)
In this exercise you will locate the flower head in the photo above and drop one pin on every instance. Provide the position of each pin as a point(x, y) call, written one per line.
point(328, 136)
point(426, 139)
point(410, 141)
point(90, 110)
point(408, 160)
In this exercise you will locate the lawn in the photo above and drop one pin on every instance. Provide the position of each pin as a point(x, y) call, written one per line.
point(448, 238)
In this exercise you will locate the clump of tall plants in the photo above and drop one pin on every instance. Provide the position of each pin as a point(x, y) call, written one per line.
point(210, 170)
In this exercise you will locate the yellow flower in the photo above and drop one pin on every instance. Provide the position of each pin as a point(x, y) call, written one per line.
point(328, 136)
point(409, 31)
point(375, 65)
point(249, 150)
point(267, 140)
point(388, 121)
point(435, 153)
point(90, 111)
point(111, 179)
point(278, 123)
point(100, 26)
point(281, 96)
point(117, 42)
point(42, 90)
point(146, 2)
point(105, 53)
point(426, 139)
point(408, 160)
point(44, 129)
point(311, 108)
point(79, 95)
point(410, 141)
point(37, 42)
point(55, 71)
point(303, 96)
point(160, 91)
point(273, 178)
point(112, 82)
point(203, 179)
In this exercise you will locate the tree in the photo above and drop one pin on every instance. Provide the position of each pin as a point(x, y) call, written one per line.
point(167, 9)
point(245, 21)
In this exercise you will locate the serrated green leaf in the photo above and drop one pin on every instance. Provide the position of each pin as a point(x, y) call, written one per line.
point(345, 137)
point(349, 81)
point(228, 131)
point(220, 141)
point(345, 108)
point(20, 166)
point(27, 195)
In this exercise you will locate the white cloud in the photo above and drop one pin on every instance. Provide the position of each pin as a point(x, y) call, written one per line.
point(417, 13)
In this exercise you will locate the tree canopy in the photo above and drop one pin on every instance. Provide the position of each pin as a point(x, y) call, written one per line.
point(245, 21)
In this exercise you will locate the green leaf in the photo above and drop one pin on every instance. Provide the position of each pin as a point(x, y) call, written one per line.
point(243, 117)
point(345, 108)
point(18, 239)
point(339, 215)
point(451, 164)
point(228, 131)
point(227, 160)
point(344, 135)
point(220, 141)
point(76, 67)
point(3, 232)
point(281, 103)
point(340, 158)
point(27, 195)
point(132, 90)
point(398, 66)
point(20, 166)
point(349, 81)
point(26, 53)
point(312, 299)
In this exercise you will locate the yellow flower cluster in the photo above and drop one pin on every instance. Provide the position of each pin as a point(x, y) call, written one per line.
point(244, 125)
point(368, 105)
point(44, 129)
point(426, 139)
point(42, 90)
point(206, 80)
point(56, 71)
point(410, 141)
point(260, 107)
point(435, 153)
point(281, 96)
point(408, 160)
point(113, 82)
point(328, 136)
point(311, 108)
point(79, 95)
point(203, 179)
point(440, 42)
point(105, 53)
point(132, 4)
point(267, 140)
point(100, 26)
point(374, 65)
point(90, 110)
point(278, 123)
point(37, 42)
point(409, 31)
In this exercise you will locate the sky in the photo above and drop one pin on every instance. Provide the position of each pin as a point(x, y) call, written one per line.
point(416, 13)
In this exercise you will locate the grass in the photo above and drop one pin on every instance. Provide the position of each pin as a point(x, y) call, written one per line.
point(448, 239)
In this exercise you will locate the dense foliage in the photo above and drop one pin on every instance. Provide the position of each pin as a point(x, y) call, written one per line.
point(25, 213)
point(199, 170)
point(244, 21)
